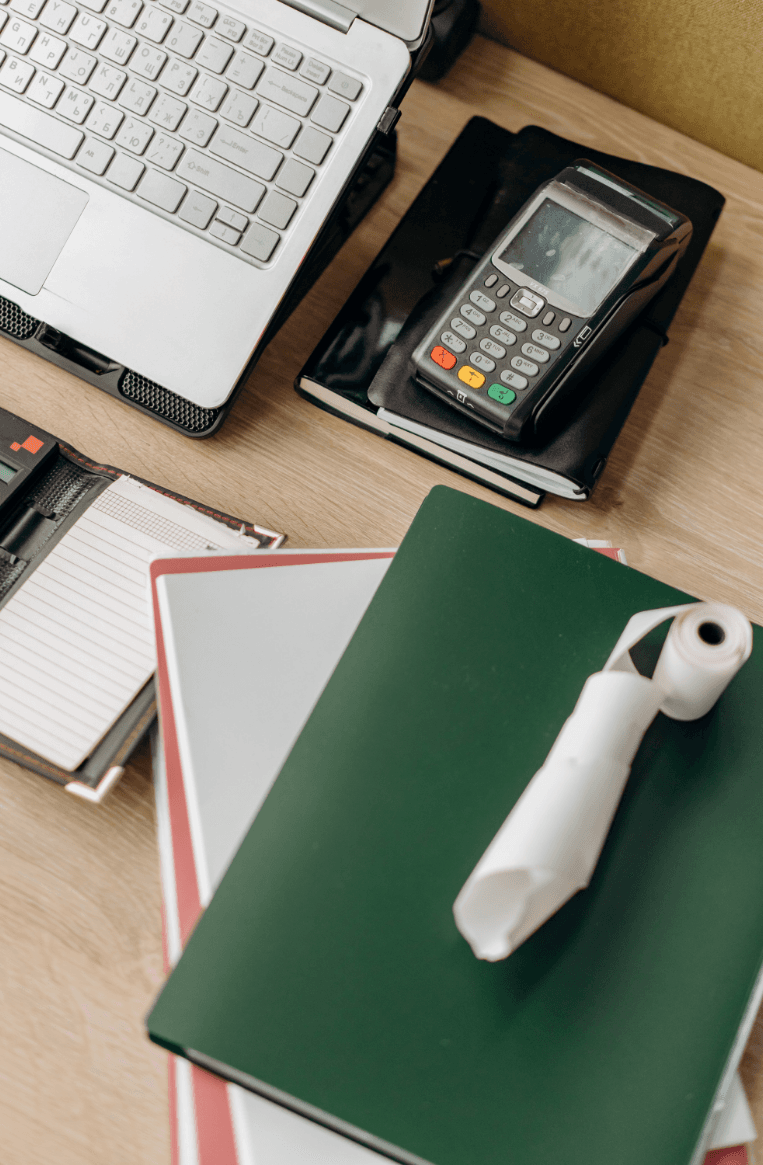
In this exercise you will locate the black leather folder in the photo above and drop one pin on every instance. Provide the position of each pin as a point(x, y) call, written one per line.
point(362, 364)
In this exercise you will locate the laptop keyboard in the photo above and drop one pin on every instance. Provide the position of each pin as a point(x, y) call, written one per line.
point(183, 107)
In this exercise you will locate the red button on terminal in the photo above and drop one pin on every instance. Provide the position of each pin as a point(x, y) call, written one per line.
point(443, 357)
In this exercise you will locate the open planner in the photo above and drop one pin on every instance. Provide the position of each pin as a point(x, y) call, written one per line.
point(76, 640)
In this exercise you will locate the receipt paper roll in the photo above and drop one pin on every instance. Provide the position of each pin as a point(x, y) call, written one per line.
point(547, 848)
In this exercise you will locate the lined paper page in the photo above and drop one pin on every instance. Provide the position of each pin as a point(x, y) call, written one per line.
point(76, 641)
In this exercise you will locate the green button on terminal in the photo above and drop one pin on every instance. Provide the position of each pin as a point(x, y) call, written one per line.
point(501, 393)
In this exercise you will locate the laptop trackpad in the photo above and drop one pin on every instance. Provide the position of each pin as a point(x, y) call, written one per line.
point(38, 213)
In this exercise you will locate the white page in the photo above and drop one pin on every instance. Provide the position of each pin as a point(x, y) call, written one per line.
point(248, 654)
point(77, 640)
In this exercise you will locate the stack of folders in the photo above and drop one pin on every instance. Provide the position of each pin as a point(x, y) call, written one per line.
point(245, 645)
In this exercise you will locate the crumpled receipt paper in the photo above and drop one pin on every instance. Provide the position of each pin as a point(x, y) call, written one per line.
point(547, 848)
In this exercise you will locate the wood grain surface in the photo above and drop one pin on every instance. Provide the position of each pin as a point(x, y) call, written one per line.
point(80, 935)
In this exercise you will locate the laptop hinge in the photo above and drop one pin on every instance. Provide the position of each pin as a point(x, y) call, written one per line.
point(327, 11)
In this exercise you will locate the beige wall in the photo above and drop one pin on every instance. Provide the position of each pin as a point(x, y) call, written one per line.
point(696, 65)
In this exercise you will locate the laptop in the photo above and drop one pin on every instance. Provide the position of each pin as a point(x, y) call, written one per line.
point(165, 167)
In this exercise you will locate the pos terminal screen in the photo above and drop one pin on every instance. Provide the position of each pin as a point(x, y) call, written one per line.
point(569, 255)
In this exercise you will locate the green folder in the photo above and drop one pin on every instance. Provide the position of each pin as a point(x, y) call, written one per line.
point(328, 973)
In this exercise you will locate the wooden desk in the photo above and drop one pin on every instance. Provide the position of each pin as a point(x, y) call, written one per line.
point(80, 939)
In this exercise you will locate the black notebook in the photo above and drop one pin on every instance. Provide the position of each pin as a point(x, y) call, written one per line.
point(361, 369)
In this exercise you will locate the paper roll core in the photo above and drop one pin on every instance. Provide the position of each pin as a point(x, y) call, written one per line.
point(711, 633)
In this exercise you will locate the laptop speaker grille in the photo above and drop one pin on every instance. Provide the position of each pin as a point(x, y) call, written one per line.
point(16, 322)
point(181, 412)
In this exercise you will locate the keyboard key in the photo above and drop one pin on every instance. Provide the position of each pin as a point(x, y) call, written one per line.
point(124, 12)
point(219, 230)
point(167, 112)
point(295, 178)
point(232, 218)
point(244, 69)
point(197, 210)
point(330, 113)
point(148, 61)
point(95, 156)
point(275, 127)
point(87, 31)
point(16, 74)
point(134, 135)
point(58, 16)
point(198, 127)
point(178, 6)
point(259, 42)
point(45, 90)
point(40, 127)
point(345, 86)
point(287, 91)
point(259, 242)
point(276, 209)
point(214, 55)
point(77, 66)
point(18, 36)
point(108, 81)
point(75, 105)
point(164, 151)
point(125, 171)
point(161, 191)
point(137, 97)
point(312, 145)
point(104, 119)
point(238, 107)
point(220, 180)
point(117, 46)
point(230, 28)
point(208, 92)
point(315, 71)
point(154, 25)
point(178, 77)
point(246, 152)
point(288, 57)
point(28, 8)
point(47, 51)
point(202, 14)
point(184, 40)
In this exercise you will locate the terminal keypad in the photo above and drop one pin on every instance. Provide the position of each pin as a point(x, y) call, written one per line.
point(497, 349)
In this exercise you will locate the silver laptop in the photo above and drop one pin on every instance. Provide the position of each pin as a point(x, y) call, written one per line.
point(166, 166)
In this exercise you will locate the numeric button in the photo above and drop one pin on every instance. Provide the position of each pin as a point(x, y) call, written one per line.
point(492, 348)
point(525, 366)
point(535, 352)
point(513, 322)
point(506, 337)
point(547, 339)
point(463, 329)
point(481, 361)
point(482, 301)
point(469, 312)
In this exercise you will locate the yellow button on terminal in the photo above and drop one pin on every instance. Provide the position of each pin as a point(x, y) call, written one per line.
point(471, 376)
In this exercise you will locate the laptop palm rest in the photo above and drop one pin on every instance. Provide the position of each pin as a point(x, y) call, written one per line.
point(38, 213)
